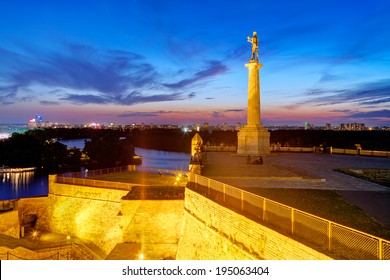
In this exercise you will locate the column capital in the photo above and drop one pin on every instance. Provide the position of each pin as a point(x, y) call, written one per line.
point(253, 64)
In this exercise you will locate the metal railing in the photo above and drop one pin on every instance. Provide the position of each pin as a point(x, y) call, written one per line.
point(175, 172)
point(332, 237)
point(92, 173)
point(94, 183)
point(63, 250)
point(82, 179)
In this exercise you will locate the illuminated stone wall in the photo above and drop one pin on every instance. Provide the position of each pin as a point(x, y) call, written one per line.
point(9, 223)
point(35, 206)
point(91, 214)
point(214, 232)
point(155, 225)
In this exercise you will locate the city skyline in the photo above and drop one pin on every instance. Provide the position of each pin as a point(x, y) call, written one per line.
point(164, 62)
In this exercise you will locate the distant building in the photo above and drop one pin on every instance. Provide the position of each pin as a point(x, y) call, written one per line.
point(308, 125)
point(353, 126)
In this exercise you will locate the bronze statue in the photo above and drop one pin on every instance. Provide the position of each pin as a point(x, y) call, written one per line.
point(255, 46)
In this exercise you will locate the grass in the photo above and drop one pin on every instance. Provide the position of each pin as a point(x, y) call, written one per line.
point(144, 178)
point(378, 176)
point(326, 204)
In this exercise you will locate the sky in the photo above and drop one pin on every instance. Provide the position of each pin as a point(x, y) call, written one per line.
point(182, 62)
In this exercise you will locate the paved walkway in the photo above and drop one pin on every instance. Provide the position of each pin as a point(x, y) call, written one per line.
point(306, 170)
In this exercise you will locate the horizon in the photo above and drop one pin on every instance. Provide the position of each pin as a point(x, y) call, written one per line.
point(167, 63)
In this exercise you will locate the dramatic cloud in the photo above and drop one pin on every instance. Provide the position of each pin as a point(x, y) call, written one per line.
point(214, 68)
point(377, 92)
point(372, 114)
point(132, 98)
point(376, 101)
point(111, 76)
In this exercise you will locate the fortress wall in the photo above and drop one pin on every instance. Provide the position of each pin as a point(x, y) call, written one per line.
point(103, 194)
point(214, 232)
point(35, 206)
point(92, 214)
point(9, 223)
point(155, 224)
point(100, 216)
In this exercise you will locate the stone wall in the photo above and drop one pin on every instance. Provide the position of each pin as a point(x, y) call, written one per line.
point(35, 206)
point(91, 214)
point(9, 223)
point(214, 232)
point(155, 224)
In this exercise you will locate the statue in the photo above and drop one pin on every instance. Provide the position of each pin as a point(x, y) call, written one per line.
point(255, 46)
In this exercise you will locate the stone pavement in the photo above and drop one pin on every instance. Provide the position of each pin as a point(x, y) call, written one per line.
point(305, 170)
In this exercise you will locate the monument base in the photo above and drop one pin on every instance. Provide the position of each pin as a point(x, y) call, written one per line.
point(253, 140)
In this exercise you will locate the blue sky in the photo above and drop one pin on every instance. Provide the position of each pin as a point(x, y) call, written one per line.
point(183, 62)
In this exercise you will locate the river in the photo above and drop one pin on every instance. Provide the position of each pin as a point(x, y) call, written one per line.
point(26, 184)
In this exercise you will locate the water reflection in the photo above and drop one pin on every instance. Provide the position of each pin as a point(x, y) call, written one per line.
point(22, 184)
point(17, 180)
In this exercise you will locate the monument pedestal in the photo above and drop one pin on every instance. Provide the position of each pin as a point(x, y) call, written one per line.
point(253, 140)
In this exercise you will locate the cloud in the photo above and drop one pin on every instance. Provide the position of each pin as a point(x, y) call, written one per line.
point(132, 98)
point(235, 110)
point(138, 114)
point(109, 76)
point(213, 68)
point(7, 95)
point(372, 114)
point(370, 93)
point(376, 101)
point(147, 114)
point(326, 77)
point(135, 97)
point(217, 115)
point(49, 103)
point(340, 111)
point(86, 99)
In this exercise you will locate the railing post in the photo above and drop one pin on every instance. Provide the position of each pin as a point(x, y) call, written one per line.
point(242, 200)
point(380, 249)
point(224, 193)
point(264, 206)
point(330, 236)
point(208, 185)
point(292, 220)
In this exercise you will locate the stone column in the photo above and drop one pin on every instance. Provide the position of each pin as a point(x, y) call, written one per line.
point(253, 92)
point(253, 138)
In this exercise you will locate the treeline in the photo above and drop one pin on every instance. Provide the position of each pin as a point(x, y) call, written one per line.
point(39, 148)
point(176, 140)
point(108, 148)
point(369, 140)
